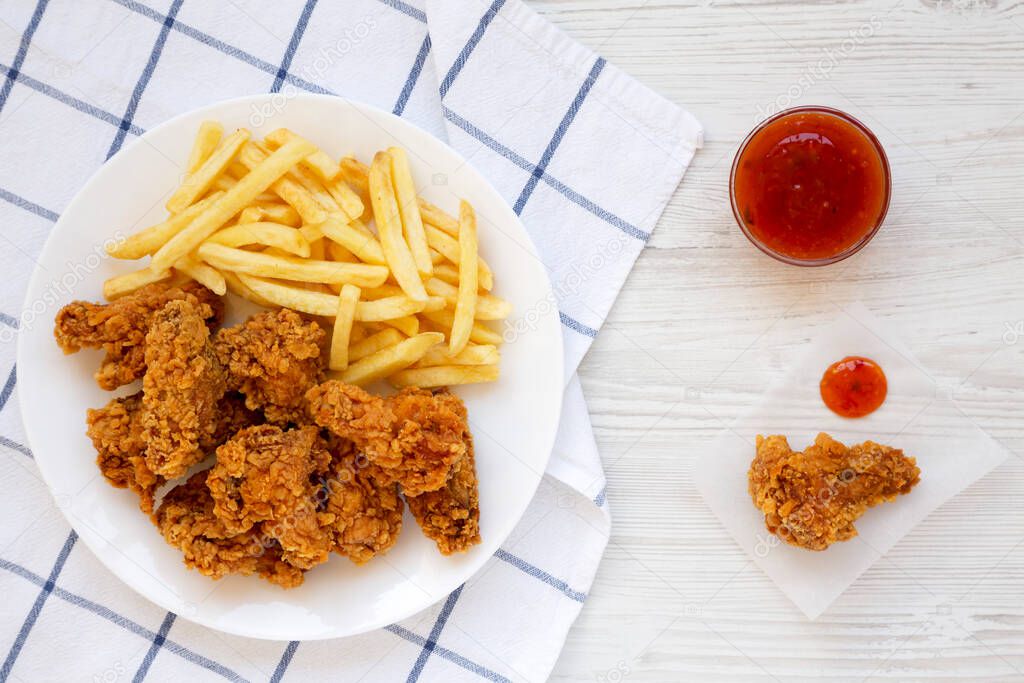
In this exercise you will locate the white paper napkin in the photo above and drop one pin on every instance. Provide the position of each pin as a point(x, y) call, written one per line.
point(585, 154)
point(951, 451)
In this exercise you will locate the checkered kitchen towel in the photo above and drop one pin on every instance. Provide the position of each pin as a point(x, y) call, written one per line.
point(586, 156)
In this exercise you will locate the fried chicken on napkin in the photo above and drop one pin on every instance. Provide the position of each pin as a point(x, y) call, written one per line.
point(181, 389)
point(120, 327)
point(413, 438)
point(273, 358)
point(812, 498)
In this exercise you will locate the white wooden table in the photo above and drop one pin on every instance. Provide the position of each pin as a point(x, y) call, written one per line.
point(705, 321)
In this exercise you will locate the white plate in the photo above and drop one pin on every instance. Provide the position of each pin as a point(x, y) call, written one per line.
point(514, 420)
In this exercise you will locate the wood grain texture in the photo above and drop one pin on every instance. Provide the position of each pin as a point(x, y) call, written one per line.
point(706, 321)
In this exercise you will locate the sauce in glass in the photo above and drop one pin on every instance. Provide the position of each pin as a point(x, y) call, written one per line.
point(853, 387)
point(811, 185)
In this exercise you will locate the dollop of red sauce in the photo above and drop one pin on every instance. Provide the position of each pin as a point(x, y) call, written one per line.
point(811, 185)
point(853, 387)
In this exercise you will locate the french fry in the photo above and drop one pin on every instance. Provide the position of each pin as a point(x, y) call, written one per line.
point(206, 141)
point(146, 242)
point(347, 199)
point(318, 251)
point(309, 182)
point(237, 287)
point(357, 334)
point(241, 194)
point(488, 306)
point(389, 228)
point(385, 290)
point(223, 183)
point(388, 308)
point(465, 303)
point(444, 376)
point(473, 354)
point(302, 300)
point(269, 234)
point(448, 273)
point(236, 169)
point(288, 268)
point(323, 165)
point(280, 213)
point(250, 214)
point(298, 197)
point(202, 273)
point(374, 343)
point(408, 325)
point(436, 258)
point(408, 209)
point(195, 184)
point(449, 246)
point(336, 252)
point(390, 360)
point(439, 218)
point(480, 333)
point(119, 285)
point(310, 233)
point(347, 300)
point(363, 245)
point(356, 173)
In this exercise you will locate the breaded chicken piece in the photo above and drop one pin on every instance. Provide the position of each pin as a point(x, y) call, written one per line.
point(273, 358)
point(116, 433)
point(186, 520)
point(450, 516)
point(363, 516)
point(264, 475)
point(812, 498)
point(231, 417)
point(181, 390)
point(120, 327)
point(413, 438)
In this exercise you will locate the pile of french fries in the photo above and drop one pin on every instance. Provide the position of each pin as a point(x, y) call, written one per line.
point(277, 221)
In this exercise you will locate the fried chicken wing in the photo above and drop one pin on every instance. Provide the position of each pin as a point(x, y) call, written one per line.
point(264, 475)
point(363, 516)
point(120, 327)
point(182, 388)
point(186, 521)
point(812, 498)
point(413, 438)
point(116, 433)
point(450, 516)
point(273, 358)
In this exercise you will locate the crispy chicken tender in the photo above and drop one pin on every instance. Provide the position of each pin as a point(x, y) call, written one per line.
point(363, 516)
point(812, 498)
point(273, 358)
point(450, 516)
point(186, 520)
point(120, 327)
point(413, 438)
point(116, 433)
point(263, 475)
point(181, 389)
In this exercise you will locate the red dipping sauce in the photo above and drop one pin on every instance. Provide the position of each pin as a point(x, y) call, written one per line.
point(810, 186)
point(853, 387)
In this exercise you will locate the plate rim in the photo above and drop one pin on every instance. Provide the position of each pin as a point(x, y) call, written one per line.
point(23, 352)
